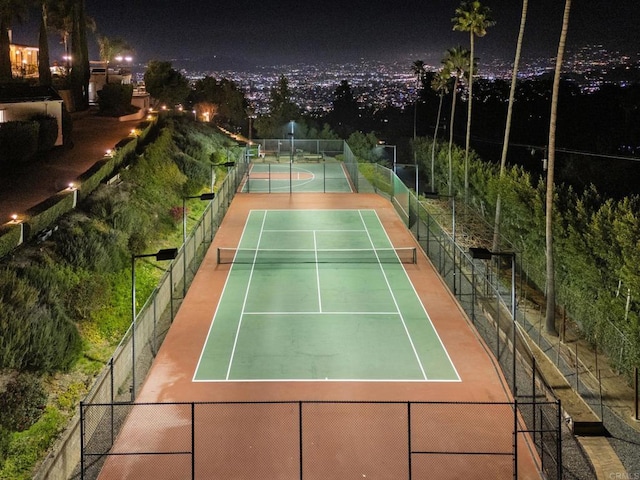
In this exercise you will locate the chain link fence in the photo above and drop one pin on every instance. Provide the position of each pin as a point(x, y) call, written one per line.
point(308, 440)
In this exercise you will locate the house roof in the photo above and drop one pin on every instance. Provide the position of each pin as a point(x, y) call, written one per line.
point(26, 93)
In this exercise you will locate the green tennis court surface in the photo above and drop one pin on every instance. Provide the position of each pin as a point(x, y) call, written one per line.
point(320, 295)
point(296, 177)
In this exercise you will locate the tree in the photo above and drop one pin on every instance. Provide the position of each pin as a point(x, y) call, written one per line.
point(166, 85)
point(282, 110)
point(550, 319)
point(440, 84)
point(59, 18)
point(344, 113)
point(44, 72)
point(456, 62)
point(418, 69)
point(472, 17)
point(81, 72)
point(224, 98)
point(507, 128)
point(109, 49)
point(10, 11)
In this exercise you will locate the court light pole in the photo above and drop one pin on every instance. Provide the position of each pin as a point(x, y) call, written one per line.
point(291, 134)
point(164, 254)
point(486, 254)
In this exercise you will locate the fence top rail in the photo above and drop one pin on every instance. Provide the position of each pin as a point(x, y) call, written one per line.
point(316, 402)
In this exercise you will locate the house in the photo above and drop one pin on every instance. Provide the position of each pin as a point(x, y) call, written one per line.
point(24, 60)
point(101, 73)
point(21, 102)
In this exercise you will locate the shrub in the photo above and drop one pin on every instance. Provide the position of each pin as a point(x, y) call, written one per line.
point(48, 131)
point(18, 142)
point(36, 336)
point(90, 244)
point(115, 100)
point(22, 402)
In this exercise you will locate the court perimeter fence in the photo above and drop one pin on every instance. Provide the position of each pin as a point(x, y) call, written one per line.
point(473, 282)
point(307, 439)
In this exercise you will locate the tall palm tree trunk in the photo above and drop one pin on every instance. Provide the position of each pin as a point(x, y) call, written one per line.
point(44, 72)
point(507, 129)
point(5, 58)
point(467, 143)
point(453, 115)
point(550, 320)
point(433, 145)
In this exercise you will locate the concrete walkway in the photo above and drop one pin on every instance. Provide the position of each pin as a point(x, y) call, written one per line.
point(92, 136)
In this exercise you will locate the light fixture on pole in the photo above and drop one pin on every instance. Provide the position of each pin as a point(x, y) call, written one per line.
point(204, 196)
point(160, 255)
point(485, 254)
point(291, 134)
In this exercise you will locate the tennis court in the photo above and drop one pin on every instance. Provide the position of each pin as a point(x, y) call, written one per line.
point(320, 295)
point(313, 360)
point(296, 177)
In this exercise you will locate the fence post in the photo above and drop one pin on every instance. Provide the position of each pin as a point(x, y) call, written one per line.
point(300, 434)
point(577, 370)
point(515, 437)
point(533, 397)
point(409, 435)
point(636, 391)
point(559, 442)
point(473, 293)
point(112, 399)
point(81, 439)
point(193, 440)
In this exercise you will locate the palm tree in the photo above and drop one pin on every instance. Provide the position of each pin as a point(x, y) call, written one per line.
point(10, 11)
point(59, 18)
point(472, 17)
point(456, 61)
point(80, 73)
point(417, 68)
point(109, 49)
point(440, 84)
point(550, 320)
point(44, 72)
point(507, 130)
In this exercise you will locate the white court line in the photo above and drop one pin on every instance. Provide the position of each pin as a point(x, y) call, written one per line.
point(244, 302)
point(395, 301)
point(224, 288)
point(423, 307)
point(315, 248)
point(319, 380)
point(319, 313)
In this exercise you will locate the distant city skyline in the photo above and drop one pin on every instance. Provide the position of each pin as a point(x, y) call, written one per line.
point(269, 32)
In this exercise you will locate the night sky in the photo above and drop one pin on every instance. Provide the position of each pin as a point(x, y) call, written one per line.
point(268, 31)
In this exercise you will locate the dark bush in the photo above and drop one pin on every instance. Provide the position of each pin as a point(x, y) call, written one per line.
point(47, 133)
point(18, 142)
point(22, 402)
point(115, 100)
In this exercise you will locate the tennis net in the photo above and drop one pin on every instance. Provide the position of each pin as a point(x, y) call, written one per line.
point(279, 256)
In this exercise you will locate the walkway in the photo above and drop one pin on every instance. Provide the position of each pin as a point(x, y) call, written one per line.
point(35, 182)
